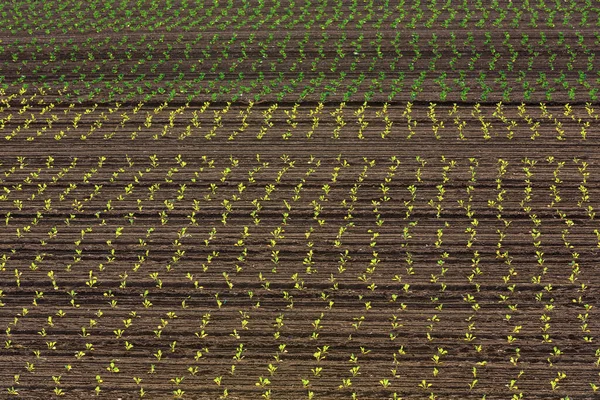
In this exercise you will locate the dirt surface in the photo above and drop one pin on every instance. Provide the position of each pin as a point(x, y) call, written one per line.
point(265, 232)
point(372, 282)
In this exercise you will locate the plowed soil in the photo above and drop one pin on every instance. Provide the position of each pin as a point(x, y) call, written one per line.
point(339, 294)
point(412, 249)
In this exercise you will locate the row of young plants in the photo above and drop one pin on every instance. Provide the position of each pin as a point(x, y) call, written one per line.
point(226, 67)
point(28, 116)
point(203, 181)
point(123, 16)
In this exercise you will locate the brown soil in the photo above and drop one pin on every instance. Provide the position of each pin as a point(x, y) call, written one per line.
point(409, 250)
point(447, 325)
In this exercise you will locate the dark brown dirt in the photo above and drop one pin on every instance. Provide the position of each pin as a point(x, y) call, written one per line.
point(225, 248)
point(413, 305)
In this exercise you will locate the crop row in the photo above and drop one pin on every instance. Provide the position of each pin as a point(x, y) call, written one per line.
point(357, 66)
point(68, 17)
point(34, 116)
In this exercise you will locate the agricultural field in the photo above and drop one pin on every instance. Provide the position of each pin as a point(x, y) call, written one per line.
point(299, 199)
